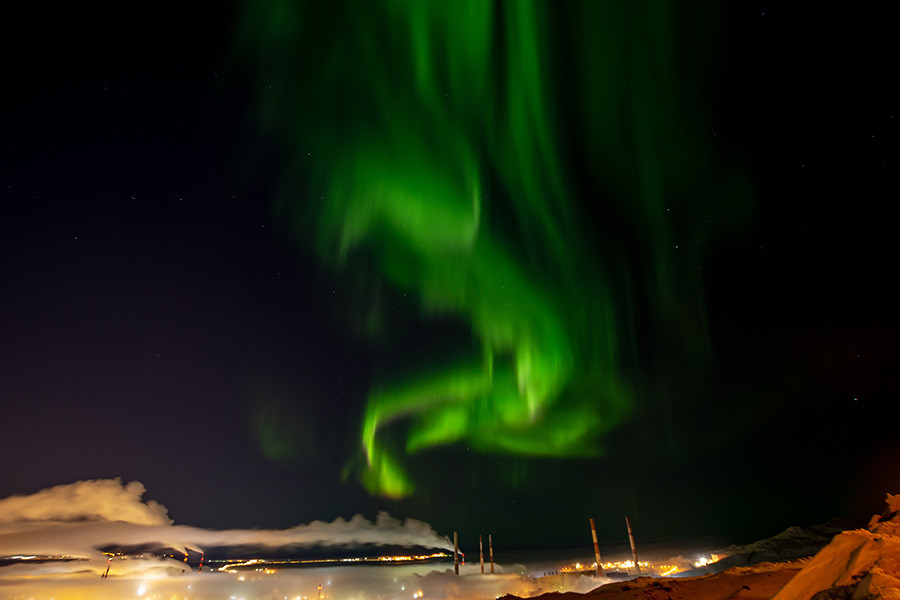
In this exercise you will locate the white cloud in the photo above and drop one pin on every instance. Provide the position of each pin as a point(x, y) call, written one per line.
point(92, 500)
point(78, 518)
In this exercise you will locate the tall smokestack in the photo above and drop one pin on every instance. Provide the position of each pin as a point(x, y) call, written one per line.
point(596, 549)
point(481, 552)
point(455, 554)
point(637, 567)
point(491, 550)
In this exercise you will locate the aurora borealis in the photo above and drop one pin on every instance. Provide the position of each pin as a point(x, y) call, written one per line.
point(535, 174)
point(496, 266)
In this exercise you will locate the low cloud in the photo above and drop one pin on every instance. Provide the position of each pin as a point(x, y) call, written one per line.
point(79, 518)
point(90, 500)
point(164, 580)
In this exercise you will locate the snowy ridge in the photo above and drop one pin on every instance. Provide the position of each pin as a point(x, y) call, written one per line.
point(862, 564)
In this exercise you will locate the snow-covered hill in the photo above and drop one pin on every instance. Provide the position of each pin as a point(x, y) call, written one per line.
point(863, 564)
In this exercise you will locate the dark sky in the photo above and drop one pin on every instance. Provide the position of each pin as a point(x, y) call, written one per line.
point(158, 324)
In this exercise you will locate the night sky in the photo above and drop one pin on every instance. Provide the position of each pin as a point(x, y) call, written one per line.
point(559, 260)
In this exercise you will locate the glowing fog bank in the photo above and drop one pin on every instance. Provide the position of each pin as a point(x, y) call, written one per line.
point(353, 583)
point(70, 523)
point(76, 520)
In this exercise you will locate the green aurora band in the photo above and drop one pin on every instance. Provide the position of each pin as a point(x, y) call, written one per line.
point(536, 171)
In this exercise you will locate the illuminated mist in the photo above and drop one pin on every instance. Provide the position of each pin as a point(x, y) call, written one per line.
point(142, 580)
point(78, 519)
point(71, 523)
point(536, 175)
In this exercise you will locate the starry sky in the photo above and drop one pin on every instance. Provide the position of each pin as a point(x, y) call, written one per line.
point(499, 267)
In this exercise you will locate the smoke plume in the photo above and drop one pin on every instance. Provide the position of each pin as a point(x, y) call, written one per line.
point(91, 500)
point(72, 521)
point(77, 519)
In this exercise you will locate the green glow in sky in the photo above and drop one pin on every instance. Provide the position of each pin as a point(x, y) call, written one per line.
point(537, 171)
